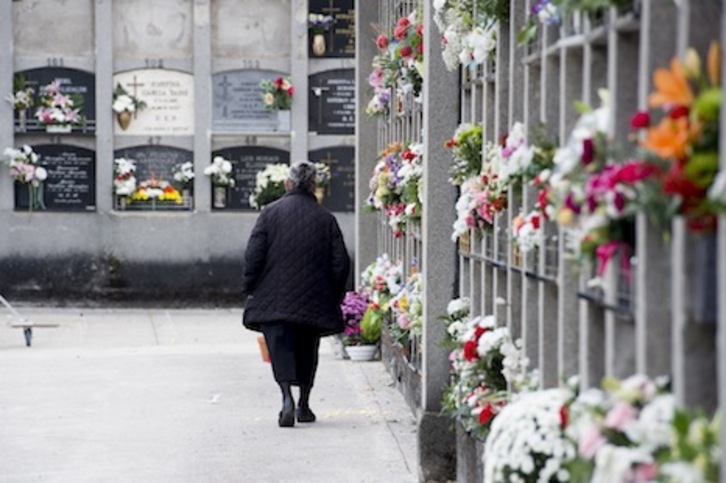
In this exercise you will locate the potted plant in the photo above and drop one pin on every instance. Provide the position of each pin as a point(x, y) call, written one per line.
point(220, 172)
point(370, 335)
point(277, 96)
point(318, 24)
point(124, 182)
point(24, 169)
point(125, 105)
point(58, 112)
point(21, 99)
point(353, 307)
point(269, 185)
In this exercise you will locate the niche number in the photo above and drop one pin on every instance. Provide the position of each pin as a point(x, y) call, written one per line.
point(55, 61)
point(250, 140)
point(154, 63)
point(155, 140)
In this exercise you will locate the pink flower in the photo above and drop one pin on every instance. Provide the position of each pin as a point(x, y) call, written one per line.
point(646, 472)
point(382, 41)
point(620, 415)
point(399, 32)
point(403, 321)
point(590, 442)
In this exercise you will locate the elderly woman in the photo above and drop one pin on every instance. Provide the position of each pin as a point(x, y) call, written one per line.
point(296, 268)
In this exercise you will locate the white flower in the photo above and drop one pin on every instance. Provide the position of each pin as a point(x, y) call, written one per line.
point(41, 174)
point(717, 191)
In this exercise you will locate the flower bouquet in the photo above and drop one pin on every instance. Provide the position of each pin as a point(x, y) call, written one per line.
point(277, 94)
point(156, 189)
point(124, 182)
point(269, 185)
point(57, 111)
point(220, 172)
point(468, 33)
point(353, 307)
point(183, 174)
point(322, 180)
point(319, 23)
point(466, 149)
point(24, 169)
point(407, 311)
point(21, 99)
point(124, 105)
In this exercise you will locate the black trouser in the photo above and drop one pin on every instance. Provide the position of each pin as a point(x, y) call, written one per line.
point(294, 352)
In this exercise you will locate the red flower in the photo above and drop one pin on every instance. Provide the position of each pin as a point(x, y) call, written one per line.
point(408, 155)
point(470, 352)
point(419, 49)
point(588, 151)
point(399, 32)
point(635, 171)
point(640, 120)
point(678, 111)
point(406, 51)
point(479, 331)
point(564, 416)
point(382, 41)
point(291, 91)
point(535, 222)
point(278, 82)
point(419, 29)
point(403, 22)
point(486, 414)
point(450, 143)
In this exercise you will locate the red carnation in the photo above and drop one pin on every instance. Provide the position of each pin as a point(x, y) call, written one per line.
point(640, 120)
point(564, 416)
point(470, 352)
point(678, 111)
point(406, 51)
point(486, 414)
point(382, 41)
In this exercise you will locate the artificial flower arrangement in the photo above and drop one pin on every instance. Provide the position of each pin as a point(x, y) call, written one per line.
point(183, 173)
point(58, 109)
point(124, 181)
point(269, 185)
point(684, 141)
point(379, 104)
point(156, 189)
point(319, 23)
point(407, 311)
point(22, 96)
point(124, 105)
point(487, 366)
point(25, 169)
point(466, 150)
point(468, 29)
point(382, 280)
point(353, 307)
point(527, 231)
point(220, 172)
point(277, 94)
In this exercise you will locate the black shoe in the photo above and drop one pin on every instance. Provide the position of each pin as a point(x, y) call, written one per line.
point(304, 415)
point(287, 416)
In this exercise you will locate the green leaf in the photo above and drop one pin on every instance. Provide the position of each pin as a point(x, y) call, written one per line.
point(370, 326)
point(582, 108)
point(527, 34)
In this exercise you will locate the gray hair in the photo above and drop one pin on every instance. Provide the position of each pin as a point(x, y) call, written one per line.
point(302, 175)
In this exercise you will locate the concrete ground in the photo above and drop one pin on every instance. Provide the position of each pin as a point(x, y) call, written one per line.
point(182, 396)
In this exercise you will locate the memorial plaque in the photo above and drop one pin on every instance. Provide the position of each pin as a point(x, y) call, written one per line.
point(331, 102)
point(340, 38)
point(71, 182)
point(340, 193)
point(237, 102)
point(169, 98)
point(72, 82)
point(247, 161)
point(155, 161)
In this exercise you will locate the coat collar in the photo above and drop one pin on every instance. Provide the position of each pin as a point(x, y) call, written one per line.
point(300, 192)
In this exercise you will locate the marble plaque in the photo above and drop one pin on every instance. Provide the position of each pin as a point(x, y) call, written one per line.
point(53, 29)
point(340, 38)
point(73, 82)
point(169, 97)
point(331, 102)
point(152, 30)
point(340, 194)
point(250, 29)
point(247, 161)
point(237, 102)
point(71, 182)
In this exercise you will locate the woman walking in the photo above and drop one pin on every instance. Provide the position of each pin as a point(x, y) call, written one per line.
point(296, 268)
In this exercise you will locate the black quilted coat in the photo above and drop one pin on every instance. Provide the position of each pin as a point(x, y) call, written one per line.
point(296, 266)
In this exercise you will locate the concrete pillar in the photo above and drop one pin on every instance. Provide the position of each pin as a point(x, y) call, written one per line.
point(104, 100)
point(366, 134)
point(299, 77)
point(6, 110)
point(721, 344)
point(436, 440)
point(202, 66)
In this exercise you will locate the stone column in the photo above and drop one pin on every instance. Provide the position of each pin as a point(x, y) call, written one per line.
point(104, 101)
point(6, 110)
point(436, 446)
point(299, 77)
point(202, 104)
point(721, 347)
point(366, 134)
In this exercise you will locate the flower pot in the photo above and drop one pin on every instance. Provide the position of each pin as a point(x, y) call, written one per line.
point(319, 44)
point(22, 120)
point(220, 196)
point(283, 120)
point(361, 352)
point(58, 128)
point(264, 352)
point(124, 119)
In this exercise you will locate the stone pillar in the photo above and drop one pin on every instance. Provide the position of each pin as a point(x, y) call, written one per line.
point(299, 77)
point(721, 344)
point(6, 110)
point(366, 135)
point(436, 446)
point(202, 68)
point(104, 101)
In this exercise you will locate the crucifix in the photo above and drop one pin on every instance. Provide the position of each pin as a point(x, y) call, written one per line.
point(135, 84)
point(225, 95)
point(331, 10)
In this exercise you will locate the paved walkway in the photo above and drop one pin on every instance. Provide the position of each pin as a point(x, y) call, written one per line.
point(182, 396)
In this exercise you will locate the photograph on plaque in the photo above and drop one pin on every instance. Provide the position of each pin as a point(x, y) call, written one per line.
point(237, 102)
point(146, 178)
point(246, 162)
point(336, 38)
point(70, 184)
point(169, 99)
point(62, 100)
point(331, 102)
point(340, 193)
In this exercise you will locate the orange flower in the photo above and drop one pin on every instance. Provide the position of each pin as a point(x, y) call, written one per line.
point(714, 63)
point(669, 139)
point(672, 87)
